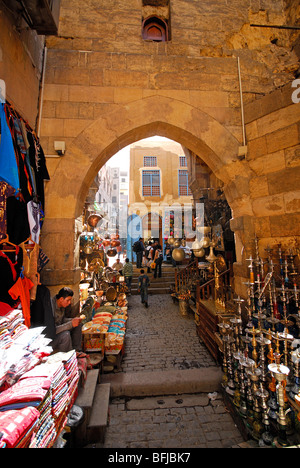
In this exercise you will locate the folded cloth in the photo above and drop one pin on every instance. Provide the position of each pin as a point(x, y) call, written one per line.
point(16, 424)
point(4, 309)
point(27, 392)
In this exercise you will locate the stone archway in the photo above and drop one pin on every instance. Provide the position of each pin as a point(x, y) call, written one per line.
point(128, 123)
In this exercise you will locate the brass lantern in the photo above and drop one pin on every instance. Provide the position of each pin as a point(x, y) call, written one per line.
point(178, 254)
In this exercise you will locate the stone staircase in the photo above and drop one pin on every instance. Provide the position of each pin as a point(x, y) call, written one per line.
point(94, 399)
point(157, 285)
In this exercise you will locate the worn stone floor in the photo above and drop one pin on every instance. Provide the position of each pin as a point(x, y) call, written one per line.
point(160, 342)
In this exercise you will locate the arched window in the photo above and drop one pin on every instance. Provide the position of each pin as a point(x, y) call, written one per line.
point(155, 29)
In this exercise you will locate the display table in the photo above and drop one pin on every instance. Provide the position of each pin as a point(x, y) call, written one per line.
point(118, 355)
point(207, 317)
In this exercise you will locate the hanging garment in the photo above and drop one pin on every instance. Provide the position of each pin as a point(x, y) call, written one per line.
point(30, 265)
point(42, 260)
point(10, 269)
point(5, 192)
point(20, 151)
point(42, 313)
point(18, 229)
point(24, 181)
point(8, 164)
point(37, 162)
point(34, 215)
point(21, 290)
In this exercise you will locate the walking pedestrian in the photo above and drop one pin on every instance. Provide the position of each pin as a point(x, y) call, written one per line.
point(128, 273)
point(143, 284)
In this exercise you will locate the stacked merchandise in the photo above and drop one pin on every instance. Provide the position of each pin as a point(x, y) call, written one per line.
point(62, 369)
point(20, 348)
point(17, 427)
point(40, 386)
point(115, 336)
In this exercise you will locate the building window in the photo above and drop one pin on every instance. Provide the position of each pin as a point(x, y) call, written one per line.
point(182, 161)
point(150, 161)
point(183, 183)
point(151, 183)
point(155, 29)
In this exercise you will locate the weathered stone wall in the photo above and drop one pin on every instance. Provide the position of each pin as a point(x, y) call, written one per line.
point(106, 88)
point(21, 61)
point(273, 189)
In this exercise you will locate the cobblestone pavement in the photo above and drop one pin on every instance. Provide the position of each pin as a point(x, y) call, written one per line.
point(159, 339)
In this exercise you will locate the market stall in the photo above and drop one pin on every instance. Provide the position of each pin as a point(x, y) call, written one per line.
point(37, 387)
point(104, 333)
point(260, 347)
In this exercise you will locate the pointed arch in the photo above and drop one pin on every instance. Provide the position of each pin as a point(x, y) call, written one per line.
point(128, 123)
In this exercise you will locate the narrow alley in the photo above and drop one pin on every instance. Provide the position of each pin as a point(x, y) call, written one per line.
point(151, 404)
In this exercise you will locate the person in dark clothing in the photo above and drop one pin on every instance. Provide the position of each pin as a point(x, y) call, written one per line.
point(158, 259)
point(68, 328)
point(140, 249)
point(143, 284)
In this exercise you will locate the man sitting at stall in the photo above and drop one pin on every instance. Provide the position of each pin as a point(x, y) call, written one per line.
point(117, 266)
point(68, 327)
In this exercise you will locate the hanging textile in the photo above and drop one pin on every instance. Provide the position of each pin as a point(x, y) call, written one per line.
point(20, 153)
point(37, 162)
point(34, 215)
point(21, 290)
point(5, 192)
point(42, 313)
point(8, 164)
point(18, 229)
point(10, 269)
point(30, 265)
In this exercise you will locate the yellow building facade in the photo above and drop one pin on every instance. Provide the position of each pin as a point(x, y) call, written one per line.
point(158, 187)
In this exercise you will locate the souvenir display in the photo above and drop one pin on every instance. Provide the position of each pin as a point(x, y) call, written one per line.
point(261, 350)
point(37, 387)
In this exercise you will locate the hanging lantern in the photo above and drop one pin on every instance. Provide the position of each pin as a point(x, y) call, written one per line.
point(178, 254)
point(177, 243)
point(199, 253)
point(211, 258)
point(171, 240)
point(205, 242)
point(196, 245)
point(183, 243)
point(111, 252)
point(115, 243)
point(94, 219)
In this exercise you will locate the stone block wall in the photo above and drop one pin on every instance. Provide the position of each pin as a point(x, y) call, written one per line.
point(106, 87)
point(21, 64)
point(273, 134)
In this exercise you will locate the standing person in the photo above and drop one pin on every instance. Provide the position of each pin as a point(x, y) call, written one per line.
point(148, 248)
point(143, 284)
point(151, 255)
point(139, 248)
point(128, 273)
point(158, 259)
point(68, 328)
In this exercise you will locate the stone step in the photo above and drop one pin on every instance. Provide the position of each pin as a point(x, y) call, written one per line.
point(99, 414)
point(86, 394)
point(140, 384)
point(85, 399)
